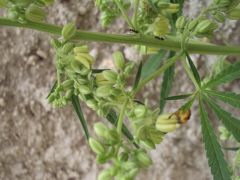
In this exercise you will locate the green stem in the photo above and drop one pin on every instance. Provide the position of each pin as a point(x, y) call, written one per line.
point(163, 68)
point(189, 73)
point(173, 44)
point(125, 16)
point(121, 117)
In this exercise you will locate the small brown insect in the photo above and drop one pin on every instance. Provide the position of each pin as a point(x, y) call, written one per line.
point(182, 116)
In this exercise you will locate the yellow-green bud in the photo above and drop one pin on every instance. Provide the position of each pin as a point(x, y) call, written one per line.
point(103, 91)
point(81, 49)
point(167, 123)
point(101, 159)
point(119, 60)
point(67, 84)
point(123, 156)
point(204, 26)
point(129, 67)
point(84, 59)
point(192, 24)
point(35, 13)
point(69, 31)
point(112, 136)
point(167, 127)
point(105, 175)
point(92, 104)
point(163, 5)
point(144, 159)
point(84, 89)
point(180, 23)
point(67, 48)
point(116, 92)
point(220, 17)
point(100, 129)
point(110, 75)
point(234, 13)
point(140, 111)
point(69, 94)
point(96, 146)
point(148, 144)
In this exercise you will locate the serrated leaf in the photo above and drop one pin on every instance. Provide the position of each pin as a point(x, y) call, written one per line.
point(112, 118)
point(193, 69)
point(78, 110)
point(52, 89)
point(214, 153)
point(138, 76)
point(231, 148)
point(227, 97)
point(229, 74)
point(152, 64)
point(178, 97)
point(232, 124)
point(166, 85)
point(187, 105)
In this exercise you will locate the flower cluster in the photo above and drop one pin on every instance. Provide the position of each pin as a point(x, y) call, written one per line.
point(25, 10)
point(105, 91)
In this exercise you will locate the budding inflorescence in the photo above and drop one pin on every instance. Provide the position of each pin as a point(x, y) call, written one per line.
point(25, 10)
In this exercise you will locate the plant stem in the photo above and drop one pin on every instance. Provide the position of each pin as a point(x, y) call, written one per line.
point(169, 43)
point(121, 117)
point(190, 74)
point(164, 67)
point(125, 16)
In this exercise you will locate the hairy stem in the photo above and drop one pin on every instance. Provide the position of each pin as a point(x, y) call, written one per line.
point(170, 43)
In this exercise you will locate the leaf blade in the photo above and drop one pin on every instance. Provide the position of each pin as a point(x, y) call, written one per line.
point(78, 110)
point(214, 153)
point(227, 97)
point(178, 97)
point(138, 76)
point(230, 73)
point(193, 69)
point(152, 64)
point(166, 85)
point(232, 124)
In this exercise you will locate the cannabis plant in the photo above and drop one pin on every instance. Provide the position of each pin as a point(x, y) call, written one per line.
point(159, 28)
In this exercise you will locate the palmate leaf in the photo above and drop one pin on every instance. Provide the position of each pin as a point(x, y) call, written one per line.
point(229, 74)
point(152, 64)
point(166, 85)
point(232, 124)
point(227, 97)
point(78, 110)
point(214, 153)
point(193, 69)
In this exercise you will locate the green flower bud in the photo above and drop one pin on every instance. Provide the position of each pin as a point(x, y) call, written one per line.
point(84, 89)
point(167, 127)
point(69, 94)
point(55, 43)
point(128, 69)
point(192, 24)
point(85, 59)
point(67, 84)
point(119, 60)
point(103, 91)
point(123, 156)
point(110, 152)
point(35, 13)
point(144, 159)
point(204, 26)
point(167, 123)
point(92, 104)
point(148, 144)
point(96, 146)
point(224, 3)
point(112, 136)
point(181, 22)
point(100, 129)
point(81, 49)
point(110, 75)
point(69, 31)
point(101, 159)
point(105, 175)
point(67, 48)
point(13, 14)
point(163, 5)
point(220, 17)
point(140, 111)
point(132, 173)
point(234, 14)
point(116, 92)
point(51, 98)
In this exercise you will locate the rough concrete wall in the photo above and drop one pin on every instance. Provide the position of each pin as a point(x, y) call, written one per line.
point(38, 142)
